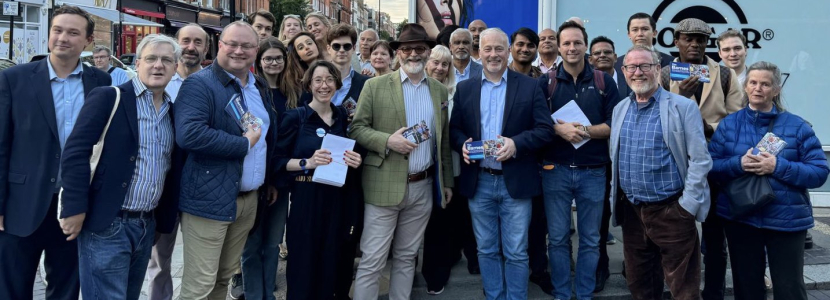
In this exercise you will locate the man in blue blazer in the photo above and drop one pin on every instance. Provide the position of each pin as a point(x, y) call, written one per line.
point(501, 104)
point(120, 209)
point(39, 103)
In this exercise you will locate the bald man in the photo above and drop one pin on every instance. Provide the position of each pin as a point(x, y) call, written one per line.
point(476, 27)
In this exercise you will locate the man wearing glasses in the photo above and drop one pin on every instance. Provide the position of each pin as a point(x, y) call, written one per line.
point(401, 180)
point(228, 165)
point(101, 56)
point(658, 184)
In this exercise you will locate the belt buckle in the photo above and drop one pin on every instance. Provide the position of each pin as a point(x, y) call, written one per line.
point(573, 166)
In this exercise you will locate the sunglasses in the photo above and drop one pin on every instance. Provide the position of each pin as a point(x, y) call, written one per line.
point(346, 47)
point(407, 50)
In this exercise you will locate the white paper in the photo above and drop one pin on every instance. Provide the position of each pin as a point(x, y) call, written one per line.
point(335, 172)
point(572, 113)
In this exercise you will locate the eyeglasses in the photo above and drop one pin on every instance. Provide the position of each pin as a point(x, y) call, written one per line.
point(407, 50)
point(642, 67)
point(165, 60)
point(346, 47)
point(274, 60)
point(99, 57)
point(319, 80)
point(602, 52)
point(234, 46)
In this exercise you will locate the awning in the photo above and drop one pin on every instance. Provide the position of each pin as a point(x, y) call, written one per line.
point(112, 15)
point(176, 23)
point(215, 28)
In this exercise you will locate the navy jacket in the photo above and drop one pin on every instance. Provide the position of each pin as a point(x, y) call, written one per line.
point(801, 165)
point(30, 150)
point(214, 144)
point(358, 80)
point(526, 121)
point(102, 199)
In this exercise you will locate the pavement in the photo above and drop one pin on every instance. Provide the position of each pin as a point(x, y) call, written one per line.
point(462, 285)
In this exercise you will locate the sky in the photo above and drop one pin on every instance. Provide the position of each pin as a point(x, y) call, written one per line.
point(397, 9)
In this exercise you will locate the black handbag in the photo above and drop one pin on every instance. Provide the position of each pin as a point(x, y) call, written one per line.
point(749, 192)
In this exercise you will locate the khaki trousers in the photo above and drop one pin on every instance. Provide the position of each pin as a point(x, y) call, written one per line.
point(212, 250)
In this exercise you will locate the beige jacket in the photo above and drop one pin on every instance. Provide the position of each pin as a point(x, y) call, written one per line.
point(713, 106)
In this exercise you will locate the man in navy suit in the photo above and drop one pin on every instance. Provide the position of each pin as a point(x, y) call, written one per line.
point(115, 217)
point(501, 104)
point(39, 103)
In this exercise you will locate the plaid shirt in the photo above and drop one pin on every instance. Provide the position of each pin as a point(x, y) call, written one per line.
point(648, 173)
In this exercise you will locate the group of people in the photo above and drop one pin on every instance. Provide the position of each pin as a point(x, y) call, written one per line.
point(100, 174)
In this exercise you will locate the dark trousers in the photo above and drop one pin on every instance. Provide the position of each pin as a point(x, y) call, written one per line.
point(537, 247)
point(784, 251)
point(20, 256)
point(602, 264)
point(345, 265)
point(660, 239)
point(714, 252)
point(448, 234)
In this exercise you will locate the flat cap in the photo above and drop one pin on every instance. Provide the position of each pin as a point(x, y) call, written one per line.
point(693, 26)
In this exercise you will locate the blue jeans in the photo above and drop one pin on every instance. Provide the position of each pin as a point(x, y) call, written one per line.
point(260, 257)
point(500, 224)
point(112, 261)
point(561, 186)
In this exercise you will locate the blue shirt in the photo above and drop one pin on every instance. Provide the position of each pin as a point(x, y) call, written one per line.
point(68, 96)
point(119, 76)
point(155, 146)
point(173, 86)
point(253, 167)
point(492, 113)
point(648, 172)
point(459, 77)
point(340, 94)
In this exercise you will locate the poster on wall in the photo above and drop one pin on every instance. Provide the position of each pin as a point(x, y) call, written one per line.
point(25, 44)
point(507, 15)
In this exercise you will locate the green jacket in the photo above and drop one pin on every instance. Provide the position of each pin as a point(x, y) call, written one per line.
point(380, 112)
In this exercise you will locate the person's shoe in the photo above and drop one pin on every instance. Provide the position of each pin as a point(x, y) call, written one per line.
point(767, 282)
point(283, 251)
point(435, 292)
point(474, 269)
point(602, 277)
point(237, 288)
point(543, 281)
point(611, 240)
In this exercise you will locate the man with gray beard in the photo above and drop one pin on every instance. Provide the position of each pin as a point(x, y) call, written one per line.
point(194, 42)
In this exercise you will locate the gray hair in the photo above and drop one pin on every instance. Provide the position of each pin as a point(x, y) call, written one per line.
point(377, 37)
point(99, 48)
point(776, 81)
point(460, 31)
point(158, 39)
point(655, 56)
point(490, 31)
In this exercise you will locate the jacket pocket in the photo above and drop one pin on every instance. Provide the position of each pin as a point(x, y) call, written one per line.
point(98, 179)
point(17, 178)
point(207, 178)
point(373, 160)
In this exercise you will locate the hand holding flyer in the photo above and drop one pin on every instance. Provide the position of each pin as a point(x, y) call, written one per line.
point(770, 143)
point(238, 110)
point(483, 149)
point(417, 133)
point(681, 71)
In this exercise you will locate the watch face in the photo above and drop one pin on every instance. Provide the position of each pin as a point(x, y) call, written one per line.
point(302, 162)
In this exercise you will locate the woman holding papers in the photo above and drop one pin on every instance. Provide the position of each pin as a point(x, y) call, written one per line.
point(765, 140)
point(315, 230)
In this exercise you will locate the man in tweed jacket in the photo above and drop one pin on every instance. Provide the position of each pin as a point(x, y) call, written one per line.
point(401, 180)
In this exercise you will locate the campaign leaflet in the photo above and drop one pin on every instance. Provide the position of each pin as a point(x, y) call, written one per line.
point(770, 143)
point(482, 149)
point(680, 71)
point(238, 110)
point(417, 133)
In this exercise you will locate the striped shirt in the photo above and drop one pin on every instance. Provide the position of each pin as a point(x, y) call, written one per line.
point(419, 107)
point(492, 113)
point(155, 146)
point(648, 172)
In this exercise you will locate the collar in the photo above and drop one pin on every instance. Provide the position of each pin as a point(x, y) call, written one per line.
point(405, 77)
point(251, 79)
point(503, 76)
point(653, 98)
point(587, 72)
point(176, 76)
point(140, 89)
point(79, 69)
point(466, 69)
point(349, 77)
point(308, 111)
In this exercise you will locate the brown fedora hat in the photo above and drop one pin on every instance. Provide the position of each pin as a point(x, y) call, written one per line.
point(412, 32)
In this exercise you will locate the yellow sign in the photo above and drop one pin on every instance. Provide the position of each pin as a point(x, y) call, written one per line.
point(6, 36)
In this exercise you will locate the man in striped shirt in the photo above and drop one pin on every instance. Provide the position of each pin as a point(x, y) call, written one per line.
point(117, 209)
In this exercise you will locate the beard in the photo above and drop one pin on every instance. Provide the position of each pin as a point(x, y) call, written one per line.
point(644, 88)
point(462, 56)
point(409, 68)
point(189, 62)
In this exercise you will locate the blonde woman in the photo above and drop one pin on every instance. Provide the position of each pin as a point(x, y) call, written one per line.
point(439, 66)
point(289, 28)
point(319, 25)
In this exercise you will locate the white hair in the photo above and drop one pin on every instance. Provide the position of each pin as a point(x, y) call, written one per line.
point(461, 31)
point(377, 37)
point(156, 39)
point(496, 31)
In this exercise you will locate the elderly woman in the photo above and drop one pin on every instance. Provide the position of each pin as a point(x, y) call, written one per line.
point(289, 28)
point(781, 225)
point(381, 58)
point(319, 25)
point(315, 226)
point(439, 66)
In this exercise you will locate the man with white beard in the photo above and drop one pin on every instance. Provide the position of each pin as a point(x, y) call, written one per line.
point(399, 176)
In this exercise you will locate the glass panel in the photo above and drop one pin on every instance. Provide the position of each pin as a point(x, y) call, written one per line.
point(32, 14)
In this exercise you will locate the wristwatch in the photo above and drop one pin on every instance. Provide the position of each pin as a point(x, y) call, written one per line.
point(302, 165)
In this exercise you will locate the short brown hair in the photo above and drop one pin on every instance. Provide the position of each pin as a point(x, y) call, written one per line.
point(730, 34)
point(383, 44)
point(341, 30)
point(265, 14)
point(329, 66)
point(74, 10)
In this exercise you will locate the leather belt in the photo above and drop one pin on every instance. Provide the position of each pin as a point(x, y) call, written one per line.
point(126, 214)
point(303, 178)
point(670, 199)
point(415, 177)
point(492, 171)
point(245, 193)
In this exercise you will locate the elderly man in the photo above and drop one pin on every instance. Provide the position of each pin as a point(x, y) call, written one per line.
point(228, 167)
point(548, 51)
point(194, 42)
point(102, 56)
point(362, 60)
point(501, 104)
point(461, 46)
point(401, 180)
point(658, 187)
point(476, 27)
point(118, 217)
